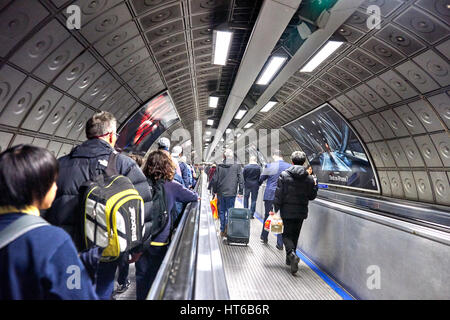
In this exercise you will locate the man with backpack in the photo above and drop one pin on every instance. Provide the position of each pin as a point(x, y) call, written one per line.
point(86, 162)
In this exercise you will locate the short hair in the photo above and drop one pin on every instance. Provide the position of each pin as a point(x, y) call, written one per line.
point(100, 124)
point(139, 159)
point(159, 165)
point(164, 143)
point(298, 157)
point(253, 159)
point(26, 175)
point(177, 150)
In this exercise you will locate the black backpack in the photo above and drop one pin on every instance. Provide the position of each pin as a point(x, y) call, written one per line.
point(158, 207)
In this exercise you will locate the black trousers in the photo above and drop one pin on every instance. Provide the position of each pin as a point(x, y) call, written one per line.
point(291, 232)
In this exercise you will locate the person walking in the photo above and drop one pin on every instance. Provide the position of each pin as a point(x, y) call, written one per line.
point(251, 174)
point(295, 188)
point(159, 170)
point(271, 173)
point(226, 183)
point(82, 164)
point(41, 263)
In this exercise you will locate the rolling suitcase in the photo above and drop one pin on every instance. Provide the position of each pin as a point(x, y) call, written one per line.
point(238, 229)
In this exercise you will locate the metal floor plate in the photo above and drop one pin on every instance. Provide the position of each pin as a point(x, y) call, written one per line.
point(259, 272)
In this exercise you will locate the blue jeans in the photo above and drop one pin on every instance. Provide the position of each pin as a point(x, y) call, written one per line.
point(254, 194)
point(268, 206)
point(105, 278)
point(224, 204)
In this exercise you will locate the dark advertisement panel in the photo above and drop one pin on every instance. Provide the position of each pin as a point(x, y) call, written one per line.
point(333, 149)
point(146, 125)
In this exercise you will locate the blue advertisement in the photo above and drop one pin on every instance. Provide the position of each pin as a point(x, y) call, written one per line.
point(333, 149)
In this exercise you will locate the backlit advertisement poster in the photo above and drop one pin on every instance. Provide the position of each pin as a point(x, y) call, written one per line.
point(333, 149)
point(147, 124)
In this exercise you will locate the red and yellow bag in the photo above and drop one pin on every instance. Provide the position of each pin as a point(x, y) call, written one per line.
point(213, 204)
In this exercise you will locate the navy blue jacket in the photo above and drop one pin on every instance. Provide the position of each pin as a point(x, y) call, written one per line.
point(251, 174)
point(40, 264)
point(186, 174)
point(271, 173)
point(74, 171)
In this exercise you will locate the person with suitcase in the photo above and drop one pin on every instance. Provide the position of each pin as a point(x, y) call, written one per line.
point(251, 174)
point(225, 183)
point(295, 188)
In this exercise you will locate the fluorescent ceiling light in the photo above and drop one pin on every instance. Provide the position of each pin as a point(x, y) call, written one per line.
point(240, 114)
point(213, 101)
point(319, 57)
point(228, 131)
point(268, 106)
point(269, 71)
point(210, 122)
point(248, 125)
point(221, 47)
point(208, 133)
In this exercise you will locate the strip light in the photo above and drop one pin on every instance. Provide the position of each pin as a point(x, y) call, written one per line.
point(269, 71)
point(210, 122)
point(221, 47)
point(213, 101)
point(240, 114)
point(324, 53)
point(268, 106)
point(248, 125)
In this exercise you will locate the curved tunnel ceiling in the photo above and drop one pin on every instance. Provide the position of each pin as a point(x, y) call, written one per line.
point(391, 84)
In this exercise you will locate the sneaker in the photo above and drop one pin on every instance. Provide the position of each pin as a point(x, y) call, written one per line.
point(288, 261)
point(265, 241)
point(123, 287)
point(278, 247)
point(294, 262)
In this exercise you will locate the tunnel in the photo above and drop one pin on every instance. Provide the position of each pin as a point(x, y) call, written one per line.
point(361, 87)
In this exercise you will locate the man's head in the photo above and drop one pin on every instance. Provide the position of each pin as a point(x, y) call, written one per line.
point(164, 144)
point(177, 151)
point(252, 160)
point(102, 125)
point(298, 158)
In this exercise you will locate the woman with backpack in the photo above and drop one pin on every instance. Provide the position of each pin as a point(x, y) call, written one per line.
point(37, 260)
point(159, 170)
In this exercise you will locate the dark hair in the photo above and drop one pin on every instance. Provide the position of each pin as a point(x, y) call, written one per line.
point(26, 175)
point(139, 160)
point(100, 124)
point(159, 165)
point(298, 158)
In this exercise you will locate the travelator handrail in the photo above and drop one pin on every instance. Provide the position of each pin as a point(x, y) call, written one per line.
point(427, 215)
point(192, 268)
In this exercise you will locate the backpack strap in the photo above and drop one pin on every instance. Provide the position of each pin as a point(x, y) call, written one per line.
point(111, 169)
point(19, 228)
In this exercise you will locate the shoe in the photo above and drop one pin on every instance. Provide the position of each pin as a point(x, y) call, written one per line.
point(123, 287)
point(288, 261)
point(278, 247)
point(265, 241)
point(294, 262)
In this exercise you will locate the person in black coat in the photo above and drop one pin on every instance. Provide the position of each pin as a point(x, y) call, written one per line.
point(251, 174)
point(74, 170)
point(295, 188)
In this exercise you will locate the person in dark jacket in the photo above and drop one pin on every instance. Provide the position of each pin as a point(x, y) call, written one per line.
point(295, 188)
point(75, 170)
point(211, 175)
point(271, 173)
point(41, 263)
point(159, 167)
point(251, 174)
point(225, 183)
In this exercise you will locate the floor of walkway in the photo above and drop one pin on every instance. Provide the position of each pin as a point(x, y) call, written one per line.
point(258, 271)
